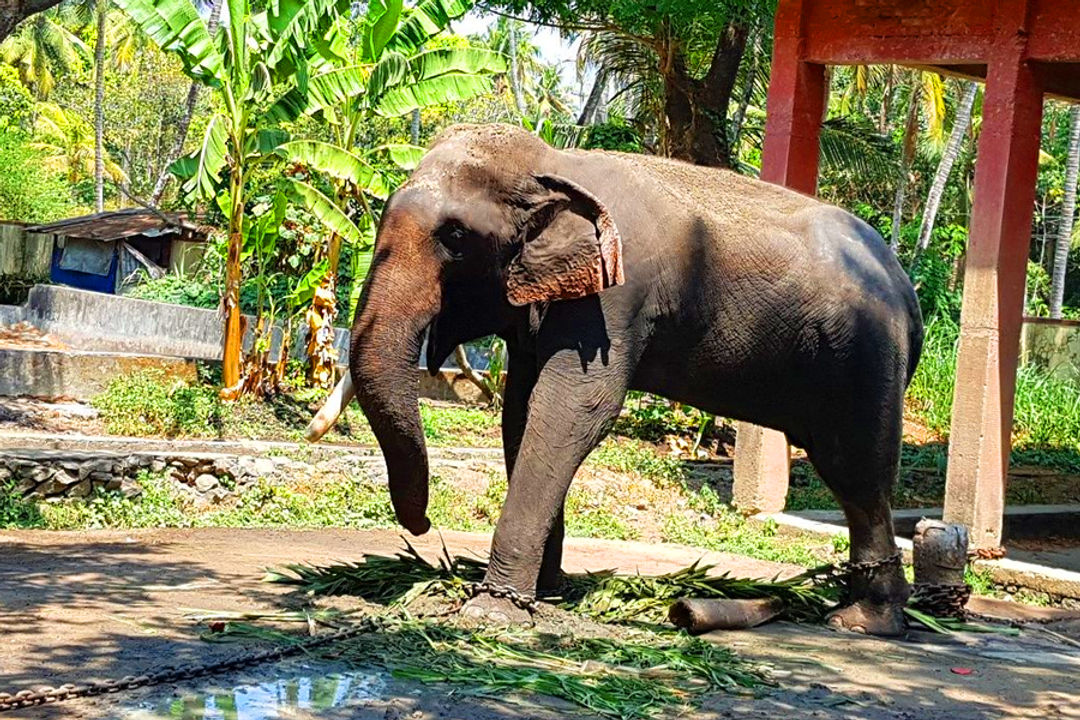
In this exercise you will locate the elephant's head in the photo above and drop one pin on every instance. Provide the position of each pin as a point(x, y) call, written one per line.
point(485, 225)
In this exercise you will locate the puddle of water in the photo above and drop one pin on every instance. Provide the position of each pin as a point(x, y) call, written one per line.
point(298, 690)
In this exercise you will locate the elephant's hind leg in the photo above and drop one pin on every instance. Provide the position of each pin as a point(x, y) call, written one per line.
point(859, 461)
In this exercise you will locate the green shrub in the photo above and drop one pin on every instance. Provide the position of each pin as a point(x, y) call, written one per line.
point(28, 192)
point(149, 403)
point(15, 510)
point(1047, 408)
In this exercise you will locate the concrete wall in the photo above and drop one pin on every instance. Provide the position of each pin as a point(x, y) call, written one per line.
point(75, 374)
point(22, 254)
point(1052, 344)
point(97, 321)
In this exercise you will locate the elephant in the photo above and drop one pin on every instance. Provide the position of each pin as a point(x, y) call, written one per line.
point(606, 272)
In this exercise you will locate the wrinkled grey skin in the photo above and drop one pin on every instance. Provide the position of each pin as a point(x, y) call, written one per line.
point(740, 298)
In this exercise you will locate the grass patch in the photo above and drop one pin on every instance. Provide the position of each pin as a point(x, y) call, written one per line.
point(149, 403)
point(1047, 408)
point(629, 456)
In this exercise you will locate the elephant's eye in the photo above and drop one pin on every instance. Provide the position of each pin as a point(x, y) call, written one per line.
point(452, 237)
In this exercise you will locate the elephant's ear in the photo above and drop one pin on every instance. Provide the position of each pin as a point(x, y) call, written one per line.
point(571, 247)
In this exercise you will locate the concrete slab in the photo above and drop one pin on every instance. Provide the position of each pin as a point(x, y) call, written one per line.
point(78, 374)
point(1021, 521)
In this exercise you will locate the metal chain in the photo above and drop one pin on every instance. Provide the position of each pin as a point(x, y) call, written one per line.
point(170, 674)
point(866, 566)
point(523, 601)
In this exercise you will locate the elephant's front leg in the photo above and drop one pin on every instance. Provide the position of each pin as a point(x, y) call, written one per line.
point(521, 374)
point(570, 411)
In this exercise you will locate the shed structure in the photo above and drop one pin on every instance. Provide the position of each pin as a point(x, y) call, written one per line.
point(1023, 50)
point(104, 252)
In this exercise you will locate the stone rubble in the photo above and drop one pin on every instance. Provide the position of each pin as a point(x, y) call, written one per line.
point(209, 478)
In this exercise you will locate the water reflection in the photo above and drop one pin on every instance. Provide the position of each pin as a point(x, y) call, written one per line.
point(311, 688)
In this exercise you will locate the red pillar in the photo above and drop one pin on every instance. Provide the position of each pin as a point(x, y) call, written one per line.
point(790, 158)
point(1005, 174)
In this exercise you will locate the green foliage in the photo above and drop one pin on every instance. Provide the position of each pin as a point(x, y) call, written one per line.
point(16, 103)
point(28, 191)
point(625, 455)
point(150, 404)
point(615, 134)
point(446, 424)
point(17, 511)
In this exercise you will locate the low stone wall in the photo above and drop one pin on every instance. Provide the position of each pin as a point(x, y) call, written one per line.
point(1052, 344)
point(207, 477)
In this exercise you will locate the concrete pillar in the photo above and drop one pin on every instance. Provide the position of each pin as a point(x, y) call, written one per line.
point(790, 157)
point(994, 279)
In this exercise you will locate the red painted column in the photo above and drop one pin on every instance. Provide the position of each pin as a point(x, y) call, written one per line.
point(790, 157)
point(994, 277)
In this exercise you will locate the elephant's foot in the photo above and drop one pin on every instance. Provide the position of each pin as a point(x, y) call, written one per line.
point(551, 584)
point(495, 611)
point(869, 618)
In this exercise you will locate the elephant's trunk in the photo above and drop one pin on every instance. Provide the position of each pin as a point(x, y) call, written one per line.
point(397, 308)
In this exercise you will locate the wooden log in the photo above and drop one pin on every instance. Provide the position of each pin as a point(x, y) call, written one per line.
point(702, 615)
point(940, 552)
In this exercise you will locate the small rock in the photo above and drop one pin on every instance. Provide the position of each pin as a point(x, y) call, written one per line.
point(206, 482)
point(57, 484)
point(264, 467)
point(114, 483)
point(224, 466)
point(130, 488)
point(218, 494)
point(188, 461)
point(157, 465)
point(81, 489)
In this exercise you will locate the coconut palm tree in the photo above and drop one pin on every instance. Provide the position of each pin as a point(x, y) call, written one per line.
point(961, 123)
point(1068, 216)
point(68, 143)
point(43, 48)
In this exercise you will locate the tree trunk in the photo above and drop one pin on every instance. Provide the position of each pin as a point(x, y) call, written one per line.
point(515, 78)
point(230, 354)
point(185, 120)
point(100, 8)
point(747, 93)
point(414, 127)
point(886, 101)
point(948, 159)
point(13, 12)
point(596, 96)
point(696, 110)
point(1068, 214)
point(911, 127)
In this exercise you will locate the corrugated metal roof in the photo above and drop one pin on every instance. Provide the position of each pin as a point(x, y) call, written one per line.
point(120, 224)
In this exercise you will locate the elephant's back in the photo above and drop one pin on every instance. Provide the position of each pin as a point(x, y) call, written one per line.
point(720, 197)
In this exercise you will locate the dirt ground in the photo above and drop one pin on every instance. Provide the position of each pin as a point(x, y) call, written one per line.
point(85, 606)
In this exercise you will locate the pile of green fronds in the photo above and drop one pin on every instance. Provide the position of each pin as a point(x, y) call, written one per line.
point(603, 596)
point(612, 598)
point(647, 674)
point(384, 580)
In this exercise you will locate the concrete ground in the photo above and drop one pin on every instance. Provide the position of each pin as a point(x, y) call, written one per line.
point(91, 605)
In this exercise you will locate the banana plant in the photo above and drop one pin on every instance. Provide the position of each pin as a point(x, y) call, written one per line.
point(255, 60)
point(382, 69)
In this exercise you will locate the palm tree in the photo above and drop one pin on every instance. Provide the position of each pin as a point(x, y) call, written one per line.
point(508, 37)
point(948, 158)
point(68, 142)
point(926, 91)
point(189, 112)
point(41, 49)
point(1068, 216)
